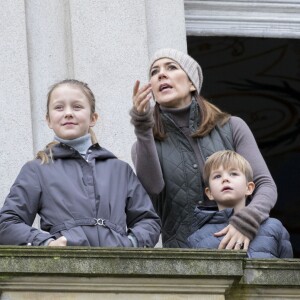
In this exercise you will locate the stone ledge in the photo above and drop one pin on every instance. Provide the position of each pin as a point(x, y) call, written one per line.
point(160, 274)
point(118, 261)
point(284, 272)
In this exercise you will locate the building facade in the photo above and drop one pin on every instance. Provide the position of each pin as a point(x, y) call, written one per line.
point(107, 43)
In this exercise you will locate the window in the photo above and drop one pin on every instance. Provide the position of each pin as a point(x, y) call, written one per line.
point(258, 79)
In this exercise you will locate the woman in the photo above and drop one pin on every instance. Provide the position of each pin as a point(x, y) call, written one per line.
point(175, 138)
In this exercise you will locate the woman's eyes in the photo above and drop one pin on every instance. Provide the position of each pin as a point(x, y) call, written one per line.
point(172, 67)
point(169, 67)
point(153, 72)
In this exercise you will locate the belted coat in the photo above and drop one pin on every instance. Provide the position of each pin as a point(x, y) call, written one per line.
point(92, 202)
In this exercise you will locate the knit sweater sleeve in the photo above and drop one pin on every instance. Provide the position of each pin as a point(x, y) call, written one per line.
point(144, 153)
point(248, 220)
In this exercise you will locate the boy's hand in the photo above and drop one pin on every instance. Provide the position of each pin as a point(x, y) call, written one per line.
point(141, 97)
point(60, 242)
point(232, 239)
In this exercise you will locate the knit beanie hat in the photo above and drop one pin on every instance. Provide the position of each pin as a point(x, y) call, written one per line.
point(186, 62)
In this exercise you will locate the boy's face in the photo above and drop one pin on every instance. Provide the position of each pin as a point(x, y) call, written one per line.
point(229, 187)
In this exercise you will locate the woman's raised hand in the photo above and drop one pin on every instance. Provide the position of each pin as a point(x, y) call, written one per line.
point(141, 97)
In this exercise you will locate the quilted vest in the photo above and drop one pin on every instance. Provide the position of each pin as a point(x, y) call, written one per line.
point(183, 189)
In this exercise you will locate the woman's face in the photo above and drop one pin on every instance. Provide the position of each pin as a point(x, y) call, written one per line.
point(171, 86)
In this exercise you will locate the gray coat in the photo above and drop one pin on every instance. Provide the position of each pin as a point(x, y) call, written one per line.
point(93, 202)
point(271, 241)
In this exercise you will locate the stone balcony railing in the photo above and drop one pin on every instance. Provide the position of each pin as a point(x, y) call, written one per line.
point(154, 274)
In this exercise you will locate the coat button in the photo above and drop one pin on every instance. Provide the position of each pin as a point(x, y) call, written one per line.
point(195, 166)
point(200, 202)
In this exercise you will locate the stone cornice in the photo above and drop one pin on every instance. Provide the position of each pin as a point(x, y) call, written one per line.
point(243, 18)
point(113, 273)
point(117, 261)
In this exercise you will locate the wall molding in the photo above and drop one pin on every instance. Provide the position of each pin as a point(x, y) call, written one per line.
point(278, 19)
point(93, 273)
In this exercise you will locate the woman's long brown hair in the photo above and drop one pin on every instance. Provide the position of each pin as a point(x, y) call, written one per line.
point(210, 117)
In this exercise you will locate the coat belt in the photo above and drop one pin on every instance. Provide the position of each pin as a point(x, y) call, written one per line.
point(86, 222)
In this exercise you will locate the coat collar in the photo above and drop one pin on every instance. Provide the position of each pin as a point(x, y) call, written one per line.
point(62, 151)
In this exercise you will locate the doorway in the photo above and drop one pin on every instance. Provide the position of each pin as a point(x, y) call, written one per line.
point(258, 79)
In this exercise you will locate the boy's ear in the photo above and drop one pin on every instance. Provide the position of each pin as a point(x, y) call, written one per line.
point(208, 194)
point(94, 118)
point(250, 188)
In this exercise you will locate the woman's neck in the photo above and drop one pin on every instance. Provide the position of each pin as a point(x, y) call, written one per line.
point(175, 109)
point(180, 116)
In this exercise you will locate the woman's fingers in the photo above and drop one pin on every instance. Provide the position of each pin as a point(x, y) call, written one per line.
point(136, 87)
point(222, 232)
point(141, 96)
point(232, 239)
point(246, 244)
point(238, 245)
point(144, 104)
point(227, 243)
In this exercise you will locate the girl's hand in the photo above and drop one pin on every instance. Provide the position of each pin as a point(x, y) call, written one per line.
point(141, 97)
point(60, 242)
point(232, 239)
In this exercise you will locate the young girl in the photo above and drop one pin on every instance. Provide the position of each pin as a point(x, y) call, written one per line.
point(84, 195)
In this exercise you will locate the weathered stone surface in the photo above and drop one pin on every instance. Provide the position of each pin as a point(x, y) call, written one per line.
point(118, 273)
point(118, 261)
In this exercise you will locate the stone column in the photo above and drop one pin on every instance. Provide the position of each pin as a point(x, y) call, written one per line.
point(110, 53)
point(166, 25)
point(50, 58)
point(15, 115)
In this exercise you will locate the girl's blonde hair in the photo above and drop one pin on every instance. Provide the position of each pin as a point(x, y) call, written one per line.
point(46, 153)
point(226, 159)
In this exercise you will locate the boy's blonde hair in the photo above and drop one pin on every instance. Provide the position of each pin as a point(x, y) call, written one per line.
point(227, 159)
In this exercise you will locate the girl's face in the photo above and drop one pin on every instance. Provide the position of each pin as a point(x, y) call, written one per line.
point(70, 114)
point(171, 86)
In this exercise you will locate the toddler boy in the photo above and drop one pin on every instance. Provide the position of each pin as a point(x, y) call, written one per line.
point(228, 178)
